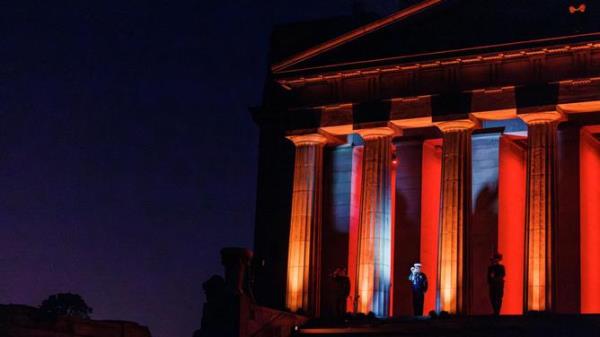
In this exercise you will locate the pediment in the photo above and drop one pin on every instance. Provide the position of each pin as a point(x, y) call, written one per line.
point(436, 27)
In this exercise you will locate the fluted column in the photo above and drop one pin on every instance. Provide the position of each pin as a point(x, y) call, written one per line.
point(375, 227)
point(455, 207)
point(540, 203)
point(305, 225)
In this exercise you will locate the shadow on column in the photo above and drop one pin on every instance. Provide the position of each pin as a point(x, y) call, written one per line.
point(484, 238)
point(407, 227)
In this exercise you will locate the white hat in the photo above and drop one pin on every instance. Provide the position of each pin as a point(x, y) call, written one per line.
point(417, 264)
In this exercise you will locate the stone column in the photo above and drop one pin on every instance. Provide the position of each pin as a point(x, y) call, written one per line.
point(304, 260)
point(540, 214)
point(455, 206)
point(375, 227)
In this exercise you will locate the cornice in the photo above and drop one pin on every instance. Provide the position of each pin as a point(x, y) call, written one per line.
point(300, 77)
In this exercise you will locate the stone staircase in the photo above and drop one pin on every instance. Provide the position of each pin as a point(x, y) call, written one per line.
point(540, 325)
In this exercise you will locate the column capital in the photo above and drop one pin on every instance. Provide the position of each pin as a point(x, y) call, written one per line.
point(456, 125)
point(541, 117)
point(579, 107)
point(372, 133)
point(308, 139)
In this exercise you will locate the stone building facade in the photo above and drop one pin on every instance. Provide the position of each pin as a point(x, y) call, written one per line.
point(443, 133)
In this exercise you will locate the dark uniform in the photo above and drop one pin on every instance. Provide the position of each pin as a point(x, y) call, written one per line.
point(495, 280)
point(419, 287)
point(342, 290)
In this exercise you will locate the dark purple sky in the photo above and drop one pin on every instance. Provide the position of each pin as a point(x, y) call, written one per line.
point(127, 152)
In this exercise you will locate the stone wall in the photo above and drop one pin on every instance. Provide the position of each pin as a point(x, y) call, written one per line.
point(407, 236)
point(337, 183)
point(483, 233)
point(26, 321)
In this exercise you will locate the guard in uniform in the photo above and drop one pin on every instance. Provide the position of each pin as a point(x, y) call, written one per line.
point(418, 281)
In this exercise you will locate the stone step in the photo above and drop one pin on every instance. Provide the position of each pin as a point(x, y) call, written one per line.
point(542, 325)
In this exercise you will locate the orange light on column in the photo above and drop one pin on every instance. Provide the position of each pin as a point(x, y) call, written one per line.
point(430, 205)
point(375, 227)
point(512, 182)
point(305, 225)
point(454, 213)
point(590, 219)
point(540, 214)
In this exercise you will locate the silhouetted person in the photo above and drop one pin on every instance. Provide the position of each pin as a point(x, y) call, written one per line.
point(495, 278)
point(418, 281)
point(215, 312)
point(342, 290)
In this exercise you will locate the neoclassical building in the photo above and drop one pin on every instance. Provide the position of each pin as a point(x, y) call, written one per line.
point(443, 133)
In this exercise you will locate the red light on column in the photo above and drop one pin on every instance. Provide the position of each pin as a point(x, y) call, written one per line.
point(590, 219)
point(512, 176)
point(430, 205)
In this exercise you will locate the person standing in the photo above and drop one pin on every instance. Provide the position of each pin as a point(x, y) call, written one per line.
point(418, 281)
point(495, 278)
point(342, 290)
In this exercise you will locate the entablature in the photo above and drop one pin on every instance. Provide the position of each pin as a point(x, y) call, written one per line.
point(576, 100)
point(432, 76)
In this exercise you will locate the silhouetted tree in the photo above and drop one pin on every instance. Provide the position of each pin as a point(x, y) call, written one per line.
point(66, 304)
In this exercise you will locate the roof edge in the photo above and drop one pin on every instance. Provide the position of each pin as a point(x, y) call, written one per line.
point(482, 52)
point(354, 34)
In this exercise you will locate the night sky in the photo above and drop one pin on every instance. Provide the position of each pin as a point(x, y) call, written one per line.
point(127, 152)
